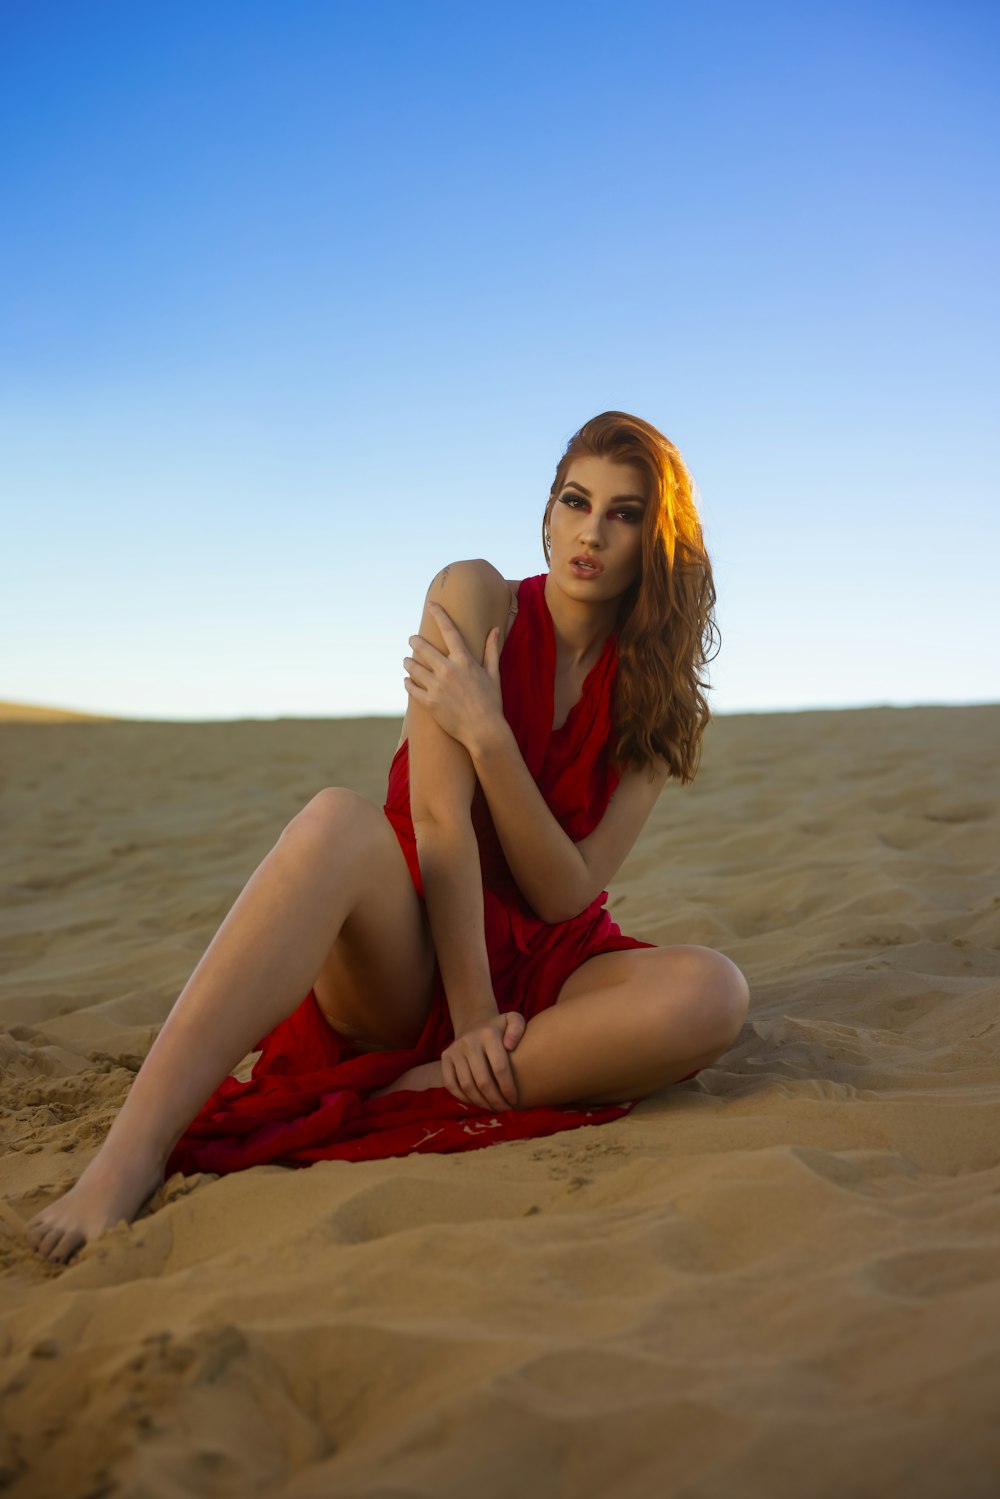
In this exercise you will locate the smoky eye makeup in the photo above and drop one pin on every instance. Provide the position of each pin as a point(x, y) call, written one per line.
point(633, 513)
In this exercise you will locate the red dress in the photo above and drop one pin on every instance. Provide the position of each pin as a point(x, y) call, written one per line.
point(308, 1096)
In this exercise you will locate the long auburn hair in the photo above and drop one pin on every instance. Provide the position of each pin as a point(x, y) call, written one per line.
point(666, 617)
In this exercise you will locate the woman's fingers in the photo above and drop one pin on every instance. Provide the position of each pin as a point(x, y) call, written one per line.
point(449, 1075)
point(471, 1090)
point(514, 1028)
point(452, 1081)
point(489, 1087)
point(452, 634)
point(477, 1081)
point(499, 1059)
point(422, 648)
point(476, 1067)
point(491, 1072)
point(458, 1078)
point(420, 674)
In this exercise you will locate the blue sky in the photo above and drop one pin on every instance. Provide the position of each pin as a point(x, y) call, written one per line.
point(302, 301)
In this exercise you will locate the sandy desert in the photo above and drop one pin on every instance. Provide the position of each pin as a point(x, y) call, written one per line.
point(779, 1279)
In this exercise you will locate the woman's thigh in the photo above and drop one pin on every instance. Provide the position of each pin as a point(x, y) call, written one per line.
point(626, 1024)
point(377, 982)
point(697, 988)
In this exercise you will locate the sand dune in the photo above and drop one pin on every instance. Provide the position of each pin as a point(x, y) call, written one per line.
point(780, 1279)
point(35, 713)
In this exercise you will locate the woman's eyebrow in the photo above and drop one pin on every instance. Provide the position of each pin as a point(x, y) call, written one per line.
point(616, 499)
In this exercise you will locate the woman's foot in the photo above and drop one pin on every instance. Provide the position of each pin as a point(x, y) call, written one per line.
point(427, 1075)
point(110, 1189)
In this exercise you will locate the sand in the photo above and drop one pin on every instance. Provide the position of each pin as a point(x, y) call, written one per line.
point(780, 1279)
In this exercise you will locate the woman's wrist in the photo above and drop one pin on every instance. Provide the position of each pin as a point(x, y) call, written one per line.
point(492, 738)
point(468, 1012)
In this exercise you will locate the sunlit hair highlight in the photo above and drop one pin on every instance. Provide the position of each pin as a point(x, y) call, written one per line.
point(666, 619)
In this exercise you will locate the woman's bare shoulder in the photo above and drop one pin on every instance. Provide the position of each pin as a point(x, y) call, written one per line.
point(469, 569)
point(479, 572)
point(479, 576)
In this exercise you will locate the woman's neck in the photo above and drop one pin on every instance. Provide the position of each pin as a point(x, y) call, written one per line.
point(580, 629)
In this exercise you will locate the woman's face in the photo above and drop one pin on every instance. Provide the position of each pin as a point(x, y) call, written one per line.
point(597, 514)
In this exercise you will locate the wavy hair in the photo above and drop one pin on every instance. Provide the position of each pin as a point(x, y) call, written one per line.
point(666, 617)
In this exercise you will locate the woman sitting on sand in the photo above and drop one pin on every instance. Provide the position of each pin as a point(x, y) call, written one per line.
point(461, 959)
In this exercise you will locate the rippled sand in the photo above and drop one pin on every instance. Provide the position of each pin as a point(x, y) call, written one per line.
point(780, 1279)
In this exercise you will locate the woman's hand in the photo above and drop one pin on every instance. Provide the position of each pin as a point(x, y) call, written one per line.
point(464, 697)
point(476, 1066)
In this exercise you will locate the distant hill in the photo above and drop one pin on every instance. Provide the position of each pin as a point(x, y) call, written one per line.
point(32, 713)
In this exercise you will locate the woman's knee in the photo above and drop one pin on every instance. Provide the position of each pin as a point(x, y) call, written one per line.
point(724, 995)
point(332, 811)
point(715, 994)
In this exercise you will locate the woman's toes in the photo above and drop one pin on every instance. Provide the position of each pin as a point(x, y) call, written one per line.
point(37, 1226)
point(55, 1247)
point(49, 1239)
point(67, 1247)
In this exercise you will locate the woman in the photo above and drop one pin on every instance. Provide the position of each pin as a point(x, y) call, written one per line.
point(456, 942)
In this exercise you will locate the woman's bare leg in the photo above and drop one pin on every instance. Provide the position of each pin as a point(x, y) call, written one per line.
point(625, 1025)
point(337, 855)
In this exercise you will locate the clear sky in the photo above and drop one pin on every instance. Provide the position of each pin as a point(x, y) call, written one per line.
point(302, 301)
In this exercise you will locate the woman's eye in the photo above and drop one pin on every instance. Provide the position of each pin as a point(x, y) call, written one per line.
point(632, 516)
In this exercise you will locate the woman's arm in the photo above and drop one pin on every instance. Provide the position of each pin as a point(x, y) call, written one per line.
point(442, 782)
point(453, 890)
point(557, 877)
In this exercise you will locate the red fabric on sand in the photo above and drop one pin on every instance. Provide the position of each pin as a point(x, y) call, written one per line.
point(308, 1096)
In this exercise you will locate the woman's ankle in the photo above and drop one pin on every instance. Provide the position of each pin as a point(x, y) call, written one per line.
point(133, 1156)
